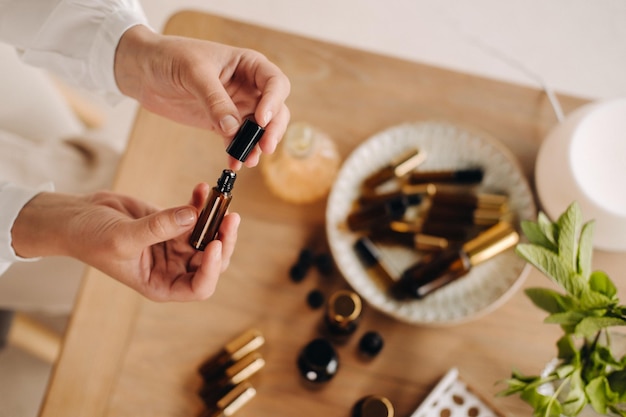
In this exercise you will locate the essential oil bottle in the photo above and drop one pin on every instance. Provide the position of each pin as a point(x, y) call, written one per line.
point(437, 269)
point(214, 211)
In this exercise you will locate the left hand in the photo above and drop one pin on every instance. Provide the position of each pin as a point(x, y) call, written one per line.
point(133, 242)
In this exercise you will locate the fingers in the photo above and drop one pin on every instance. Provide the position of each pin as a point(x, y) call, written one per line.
point(199, 195)
point(275, 88)
point(228, 236)
point(271, 112)
point(220, 108)
point(204, 282)
point(235, 164)
point(275, 131)
point(163, 225)
point(215, 260)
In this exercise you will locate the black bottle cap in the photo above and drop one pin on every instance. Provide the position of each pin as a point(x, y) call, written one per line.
point(396, 207)
point(470, 175)
point(318, 361)
point(371, 343)
point(315, 299)
point(245, 139)
point(366, 251)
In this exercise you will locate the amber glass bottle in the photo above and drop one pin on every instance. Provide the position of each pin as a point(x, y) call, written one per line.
point(437, 269)
point(213, 212)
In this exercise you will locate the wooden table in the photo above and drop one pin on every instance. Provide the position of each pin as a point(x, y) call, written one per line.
point(125, 356)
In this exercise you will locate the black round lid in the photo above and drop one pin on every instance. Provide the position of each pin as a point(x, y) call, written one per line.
point(318, 361)
point(245, 139)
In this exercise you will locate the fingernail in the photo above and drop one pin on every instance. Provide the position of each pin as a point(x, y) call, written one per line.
point(185, 217)
point(267, 118)
point(228, 124)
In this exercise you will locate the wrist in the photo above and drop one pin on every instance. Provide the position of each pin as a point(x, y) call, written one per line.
point(130, 65)
point(38, 228)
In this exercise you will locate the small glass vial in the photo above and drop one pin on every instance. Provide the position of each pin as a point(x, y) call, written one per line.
point(214, 211)
point(233, 352)
point(304, 166)
point(437, 269)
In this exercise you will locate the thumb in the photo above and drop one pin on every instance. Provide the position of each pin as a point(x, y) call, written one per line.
point(164, 225)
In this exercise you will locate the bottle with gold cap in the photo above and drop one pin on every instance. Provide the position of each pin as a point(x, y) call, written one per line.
point(232, 402)
point(373, 406)
point(398, 168)
point(435, 270)
point(343, 313)
point(234, 375)
point(234, 351)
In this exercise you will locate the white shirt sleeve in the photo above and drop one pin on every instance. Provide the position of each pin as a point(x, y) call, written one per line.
point(74, 39)
point(12, 199)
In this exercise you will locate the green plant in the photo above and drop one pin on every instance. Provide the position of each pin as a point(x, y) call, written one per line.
point(588, 371)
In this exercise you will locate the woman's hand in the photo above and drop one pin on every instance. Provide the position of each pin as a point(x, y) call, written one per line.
point(143, 247)
point(204, 84)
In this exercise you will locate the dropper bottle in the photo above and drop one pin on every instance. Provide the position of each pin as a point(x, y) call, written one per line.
point(214, 211)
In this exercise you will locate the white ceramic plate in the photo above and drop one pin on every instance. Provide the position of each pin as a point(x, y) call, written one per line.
point(448, 146)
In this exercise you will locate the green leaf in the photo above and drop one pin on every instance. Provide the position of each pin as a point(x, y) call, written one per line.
point(519, 382)
point(565, 318)
point(600, 282)
point(549, 229)
point(604, 357)
point(576, 399)
point(549, 300)
point(564, 371)
point(551, 265)
point(617, 382)
point(589, 372)
point(589, 326)
point(600, 394)
point(543, 405)
point(537, 235)
point(567, 349)
point(585, 249)
point(570, 223)
point(617, 411)
point(592, 300)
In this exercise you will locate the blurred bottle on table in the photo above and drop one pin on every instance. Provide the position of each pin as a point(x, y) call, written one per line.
point(304, 165)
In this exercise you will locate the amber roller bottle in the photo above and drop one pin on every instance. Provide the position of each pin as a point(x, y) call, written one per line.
point(214, 210)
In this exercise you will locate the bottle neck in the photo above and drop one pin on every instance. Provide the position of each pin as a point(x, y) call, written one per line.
point(300, 141)
point(226, 181)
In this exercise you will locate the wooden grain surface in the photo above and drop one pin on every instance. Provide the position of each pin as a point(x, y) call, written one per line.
point(125, 356)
